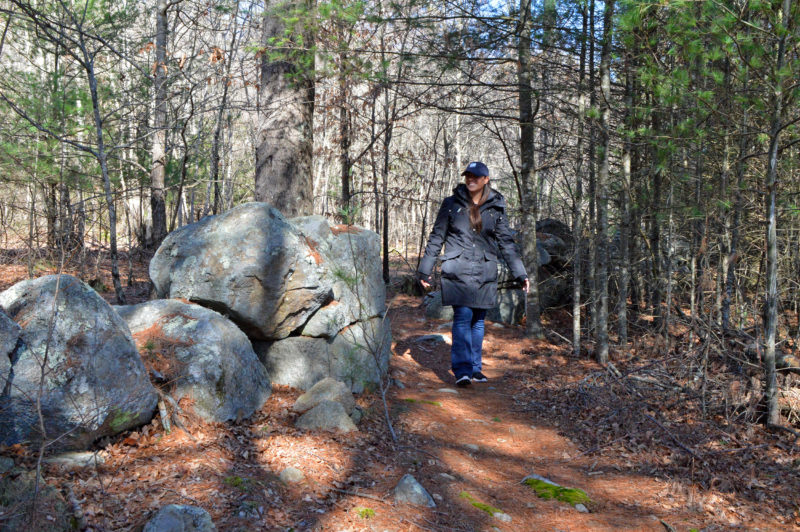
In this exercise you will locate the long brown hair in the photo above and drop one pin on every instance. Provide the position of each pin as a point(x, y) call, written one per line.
point(475, 210)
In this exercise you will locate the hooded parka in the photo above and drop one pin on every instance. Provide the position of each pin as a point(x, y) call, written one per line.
point(469, 263)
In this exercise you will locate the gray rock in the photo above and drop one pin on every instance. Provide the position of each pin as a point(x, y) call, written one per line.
point(179, 518)
point(510, 307)
point(503, 517)
point(95, 382)
point(327, 389)
point(541, 478)
point(328, 415)
point(202, 355)
point(6, 464)
point(297, 361)
point(77, 460)
point(352, 265)
point(409, 491)
point(17, 489)
point(448, 390)
point(432, 338)
point(434, 308)
point(9, 334)
point(357, 415)
point(472, 447)
point(581, 508)
point(301, 361)
point(243, 263)
point(359, 355)
point(292, 475)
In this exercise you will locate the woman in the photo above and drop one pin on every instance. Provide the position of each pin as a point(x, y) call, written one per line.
point(473, 226)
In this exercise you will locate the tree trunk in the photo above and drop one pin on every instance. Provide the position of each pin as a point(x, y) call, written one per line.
point(159, 155)
point(602, 188)
point(625, 213)
point(530, 254)
point(102, 159)
point(286, 110)
point(577, 204)
point(771, 187)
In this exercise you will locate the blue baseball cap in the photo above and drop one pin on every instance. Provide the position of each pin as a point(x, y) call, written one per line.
point(476, 168)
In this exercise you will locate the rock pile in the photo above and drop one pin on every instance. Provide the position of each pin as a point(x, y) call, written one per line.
point(309, 296)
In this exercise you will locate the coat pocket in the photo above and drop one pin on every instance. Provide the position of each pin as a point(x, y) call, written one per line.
point(450, 261)
point(489, 267)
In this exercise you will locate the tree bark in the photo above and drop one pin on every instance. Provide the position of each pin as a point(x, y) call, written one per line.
point(602, 188)
point(158, 150)
point(771, 186)
point(530, 254)
point(284, 154)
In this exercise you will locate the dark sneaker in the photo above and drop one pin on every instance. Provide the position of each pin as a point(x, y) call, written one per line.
point(463, 380)
point(479, 377)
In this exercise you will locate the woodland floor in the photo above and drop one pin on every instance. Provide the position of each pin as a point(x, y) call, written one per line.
point(654, 448)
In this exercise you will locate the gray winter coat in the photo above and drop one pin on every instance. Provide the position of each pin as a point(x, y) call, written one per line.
point(469, 264)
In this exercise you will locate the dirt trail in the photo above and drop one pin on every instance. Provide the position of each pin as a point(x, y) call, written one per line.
point(481, 439)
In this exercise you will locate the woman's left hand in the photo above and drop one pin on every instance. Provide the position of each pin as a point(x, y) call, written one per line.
point(526, 285)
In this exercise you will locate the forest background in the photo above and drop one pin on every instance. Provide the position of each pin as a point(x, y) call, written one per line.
point(663, 133)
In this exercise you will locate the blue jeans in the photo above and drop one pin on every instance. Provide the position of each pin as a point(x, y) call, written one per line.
point(465, 354)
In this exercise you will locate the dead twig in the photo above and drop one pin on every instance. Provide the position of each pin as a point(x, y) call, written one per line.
point(672, 437)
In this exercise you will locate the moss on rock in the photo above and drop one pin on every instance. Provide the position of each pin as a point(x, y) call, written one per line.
point(548, 490)
point(488, 508)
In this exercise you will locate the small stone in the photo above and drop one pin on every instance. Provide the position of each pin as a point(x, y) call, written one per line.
point(581, 508)
point(398, 384)
point(409, 491)
point(500, 516)
point(438, 497)
point(328, 415)
point(447, 477)
point(447, 390)
point(433, 339)
point(175, 518)
point(76, 460)
point(472, 447)
point(327, 389)
point(292, 475)
point(498, 325)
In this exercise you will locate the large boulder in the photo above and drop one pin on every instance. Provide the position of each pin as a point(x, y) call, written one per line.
point(199, 354)
point(352, 266)
point(357, 356)
point(244, 263)
point(9, 335)
point(73, 344)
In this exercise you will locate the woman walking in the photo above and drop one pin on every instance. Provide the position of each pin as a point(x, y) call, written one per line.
point(473, 227)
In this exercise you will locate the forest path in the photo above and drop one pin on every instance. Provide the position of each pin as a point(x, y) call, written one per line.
point(483, 440)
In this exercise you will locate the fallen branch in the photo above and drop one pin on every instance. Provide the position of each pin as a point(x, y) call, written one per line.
point(356, 493)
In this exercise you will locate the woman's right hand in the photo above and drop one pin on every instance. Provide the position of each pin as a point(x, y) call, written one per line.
point(425, 284)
